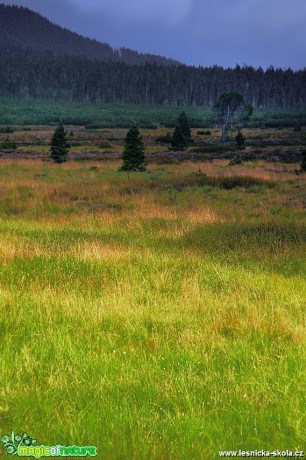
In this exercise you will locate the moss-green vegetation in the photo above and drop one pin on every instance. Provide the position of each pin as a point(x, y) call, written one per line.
point(93, 116)
point(157, 315)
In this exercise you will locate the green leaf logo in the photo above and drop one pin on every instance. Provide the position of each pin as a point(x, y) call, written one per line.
point(14, 441)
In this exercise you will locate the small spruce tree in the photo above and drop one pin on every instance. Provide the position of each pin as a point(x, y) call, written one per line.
point(240, 139)
point(178, 142)
point(183, 122)
point(134, 151)
point(59, 145)
point(303, 162)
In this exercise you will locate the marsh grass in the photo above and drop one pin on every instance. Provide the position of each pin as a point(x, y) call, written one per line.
point(152, 321)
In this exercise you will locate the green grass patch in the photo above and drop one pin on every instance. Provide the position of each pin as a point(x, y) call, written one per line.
point(153, 315)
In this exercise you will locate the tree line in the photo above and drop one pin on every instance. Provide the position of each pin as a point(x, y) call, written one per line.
point(27, 74)
point(230, 111)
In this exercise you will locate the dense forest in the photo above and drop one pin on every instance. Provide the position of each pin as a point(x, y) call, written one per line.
point(35, 70)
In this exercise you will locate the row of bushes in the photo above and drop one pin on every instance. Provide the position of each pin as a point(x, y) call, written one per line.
point(196, 179)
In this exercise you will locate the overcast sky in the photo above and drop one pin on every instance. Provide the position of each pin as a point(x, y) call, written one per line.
point(197, 32)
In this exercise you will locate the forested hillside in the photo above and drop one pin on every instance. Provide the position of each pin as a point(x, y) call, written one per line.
point(48, 67)
point(26, 29)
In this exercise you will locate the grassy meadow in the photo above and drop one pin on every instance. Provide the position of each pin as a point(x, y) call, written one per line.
point(157, 315)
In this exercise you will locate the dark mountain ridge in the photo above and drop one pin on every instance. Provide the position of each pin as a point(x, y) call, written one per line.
point(21, 27)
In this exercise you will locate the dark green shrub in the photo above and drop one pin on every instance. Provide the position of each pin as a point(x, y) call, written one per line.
point(39, 142)
point(204, 133)
point(213, 148)
point(8, 144)
point(7, 130)
point(164, 139)
point(105, 145)
point(237, 160)
point(230, 182)
point(303, 162)
point(240, 139)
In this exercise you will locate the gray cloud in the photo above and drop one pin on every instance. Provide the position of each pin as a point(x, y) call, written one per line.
point(172, 12)
point(199, 32)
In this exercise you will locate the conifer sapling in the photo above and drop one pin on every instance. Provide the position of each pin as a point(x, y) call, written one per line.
point(134, 151)
point(59, 145)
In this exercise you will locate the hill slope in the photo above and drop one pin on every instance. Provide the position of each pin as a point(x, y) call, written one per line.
point(24, 28)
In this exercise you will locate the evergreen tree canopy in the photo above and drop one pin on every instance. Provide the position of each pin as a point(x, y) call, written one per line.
point(183, 123)
point(229, 110)
point(178, 142)
point(240, 139)
point(59, 145)
point(134, 151)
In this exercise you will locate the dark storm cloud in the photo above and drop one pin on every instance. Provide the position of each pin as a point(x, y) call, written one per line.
point(199, 32)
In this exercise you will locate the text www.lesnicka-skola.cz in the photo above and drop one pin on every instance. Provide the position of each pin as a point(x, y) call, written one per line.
point(262, 453)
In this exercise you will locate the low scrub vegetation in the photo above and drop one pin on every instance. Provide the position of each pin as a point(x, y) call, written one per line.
point(8, 144)
point(98, 116)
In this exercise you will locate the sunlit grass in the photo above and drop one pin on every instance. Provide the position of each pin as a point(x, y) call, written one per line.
point(151, 321)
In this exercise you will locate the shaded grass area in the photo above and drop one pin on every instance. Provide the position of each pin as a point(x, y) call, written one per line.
point(47, 190)
point(169, 328)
